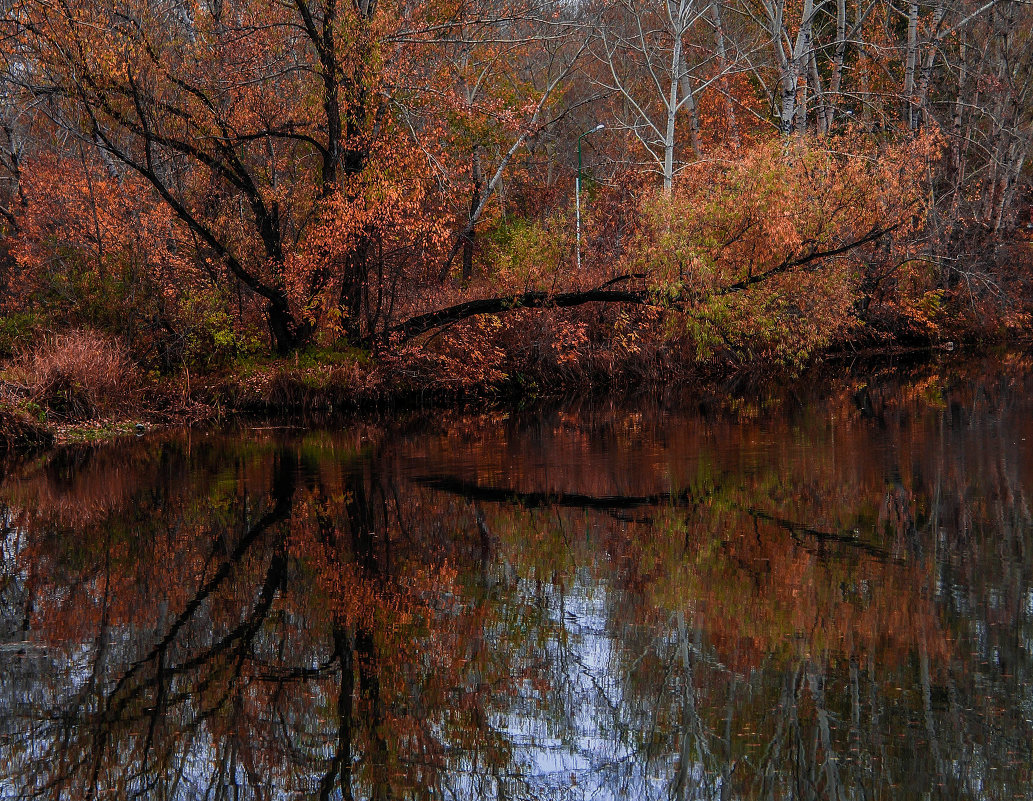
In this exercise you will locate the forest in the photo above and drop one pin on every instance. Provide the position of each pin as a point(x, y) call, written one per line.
point(280, 203)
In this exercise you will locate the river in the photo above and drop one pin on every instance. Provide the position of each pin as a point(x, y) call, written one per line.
point(818, 591)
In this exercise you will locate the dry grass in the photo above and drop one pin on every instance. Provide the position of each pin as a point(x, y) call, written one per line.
point(80, 375)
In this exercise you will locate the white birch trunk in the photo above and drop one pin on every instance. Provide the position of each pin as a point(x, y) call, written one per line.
point(672, 113)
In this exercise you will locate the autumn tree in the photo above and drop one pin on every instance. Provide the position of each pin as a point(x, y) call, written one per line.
point(251, 121)
point(645, 59)
point(498, 76)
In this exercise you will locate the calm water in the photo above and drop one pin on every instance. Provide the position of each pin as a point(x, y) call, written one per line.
point(824, 595)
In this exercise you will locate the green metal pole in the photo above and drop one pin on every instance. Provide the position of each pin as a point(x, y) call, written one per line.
point(577, 192)
point(577, 201)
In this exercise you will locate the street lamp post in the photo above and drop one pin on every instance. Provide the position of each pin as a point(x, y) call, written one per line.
point(577, 191)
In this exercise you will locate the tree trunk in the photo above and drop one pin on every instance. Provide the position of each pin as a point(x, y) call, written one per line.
point(288, 336)
point(353, 287)
point(470, 233)
point(468, 243)
point(839, 59)
point(672, 112)
point(690, 104)
point(910, 117)
point(822, 112)
point(802, 59)
point(921, 106)
point(722, 64)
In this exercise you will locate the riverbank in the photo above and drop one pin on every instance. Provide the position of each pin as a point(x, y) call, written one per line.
point(863, 528)
point(314, 385)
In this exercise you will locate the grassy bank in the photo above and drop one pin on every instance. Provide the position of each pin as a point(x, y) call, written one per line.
point(80, 387)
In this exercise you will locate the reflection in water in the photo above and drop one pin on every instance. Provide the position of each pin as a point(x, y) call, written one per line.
point(826, 598)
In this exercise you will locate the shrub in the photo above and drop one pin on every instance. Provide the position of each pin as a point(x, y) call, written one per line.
point(738, 246)
point(531, 253)
point(16, 329)
point(79, 375)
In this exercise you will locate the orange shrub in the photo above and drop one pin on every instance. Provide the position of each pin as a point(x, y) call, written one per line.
point(80, 374)
point(757, 250)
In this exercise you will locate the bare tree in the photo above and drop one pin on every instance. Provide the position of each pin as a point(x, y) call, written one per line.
point(641, 47)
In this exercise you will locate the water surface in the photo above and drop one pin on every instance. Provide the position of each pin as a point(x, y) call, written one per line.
point(820, 594)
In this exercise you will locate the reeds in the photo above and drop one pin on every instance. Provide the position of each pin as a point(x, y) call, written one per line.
point(79, 375)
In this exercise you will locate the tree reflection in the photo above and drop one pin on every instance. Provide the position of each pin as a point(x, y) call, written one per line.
point(829, 600)
point(279, 632)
